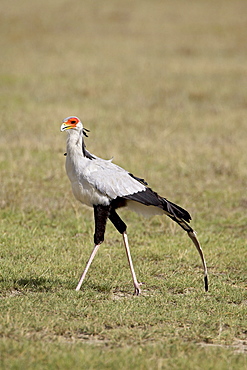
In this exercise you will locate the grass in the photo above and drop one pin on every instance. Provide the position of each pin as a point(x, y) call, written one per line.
point(162, 88)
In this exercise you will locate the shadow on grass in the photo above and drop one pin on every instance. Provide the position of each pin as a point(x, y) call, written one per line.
point(42, 284)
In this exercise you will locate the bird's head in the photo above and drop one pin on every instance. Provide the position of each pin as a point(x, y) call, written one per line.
point(71, 122)
point(74, 123)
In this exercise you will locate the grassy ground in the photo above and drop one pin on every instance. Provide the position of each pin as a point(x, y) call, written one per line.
point(162, 87)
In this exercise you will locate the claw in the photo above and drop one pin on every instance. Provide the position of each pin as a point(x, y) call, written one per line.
point(137, 288)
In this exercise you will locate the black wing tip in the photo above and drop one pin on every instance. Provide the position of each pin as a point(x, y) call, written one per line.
point(176, 210)
point(206, 283)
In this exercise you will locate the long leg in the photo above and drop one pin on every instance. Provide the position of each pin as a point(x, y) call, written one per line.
point(100, 215)
point(95, 249)
point(136, 284)
point(121, 227)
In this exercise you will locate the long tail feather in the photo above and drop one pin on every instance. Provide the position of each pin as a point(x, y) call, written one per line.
point(193, 237)
point(195, 240)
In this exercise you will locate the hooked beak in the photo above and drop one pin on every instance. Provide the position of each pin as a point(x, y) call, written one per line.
point(66, 126)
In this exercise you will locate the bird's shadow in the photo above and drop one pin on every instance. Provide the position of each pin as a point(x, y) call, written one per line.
point(39, 284)
point(36, 284)
point(45, 285)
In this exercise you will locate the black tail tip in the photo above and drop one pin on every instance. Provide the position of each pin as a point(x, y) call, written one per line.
point(206, 283)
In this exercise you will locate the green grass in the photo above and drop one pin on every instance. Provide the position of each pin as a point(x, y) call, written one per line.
point(162, 88)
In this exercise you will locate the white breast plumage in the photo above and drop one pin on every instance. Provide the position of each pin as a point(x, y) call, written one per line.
point(78, 170)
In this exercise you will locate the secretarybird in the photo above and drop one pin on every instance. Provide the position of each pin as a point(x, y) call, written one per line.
point(100, 184)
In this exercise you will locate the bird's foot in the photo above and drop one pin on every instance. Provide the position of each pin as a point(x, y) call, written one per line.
point(137, 288)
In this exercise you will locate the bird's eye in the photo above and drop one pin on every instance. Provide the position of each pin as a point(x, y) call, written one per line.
point(73, 121)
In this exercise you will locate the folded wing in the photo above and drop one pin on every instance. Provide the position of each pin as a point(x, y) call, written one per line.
point(112, 180)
